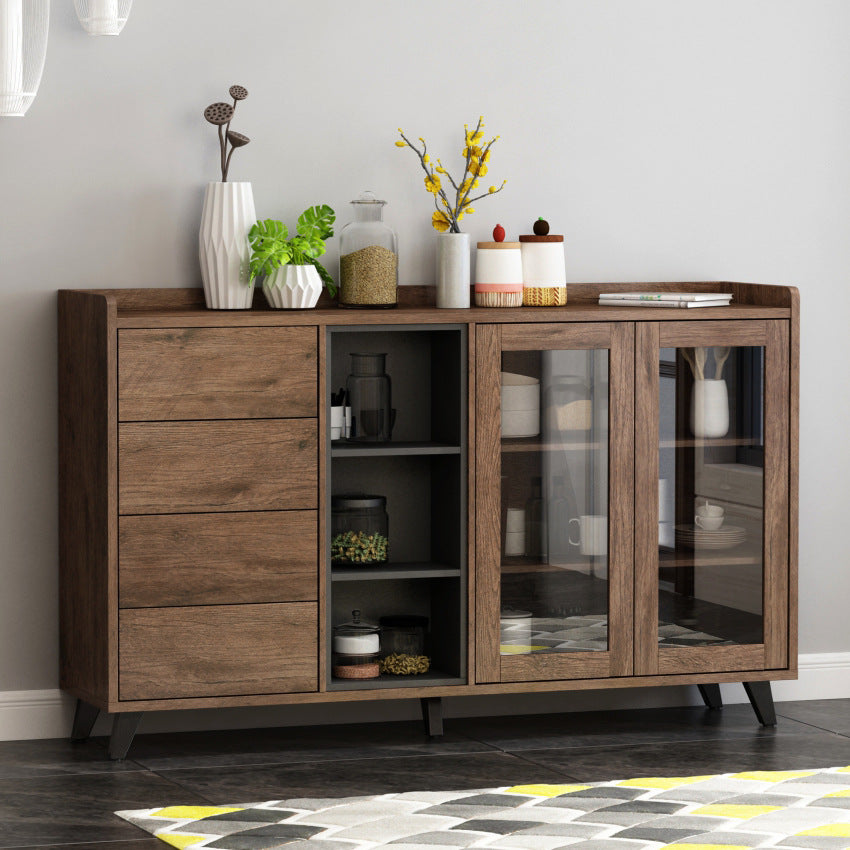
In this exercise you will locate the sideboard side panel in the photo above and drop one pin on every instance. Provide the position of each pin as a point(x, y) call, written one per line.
point(87, 510)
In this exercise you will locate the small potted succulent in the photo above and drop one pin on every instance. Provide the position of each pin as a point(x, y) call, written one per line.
point(228, 214)
point(293, 275)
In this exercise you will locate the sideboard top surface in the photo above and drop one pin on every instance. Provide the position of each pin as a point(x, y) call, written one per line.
point(184, 307)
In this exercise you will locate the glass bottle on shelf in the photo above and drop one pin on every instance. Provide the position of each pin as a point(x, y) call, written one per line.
point(370, 396)
point(368, 257)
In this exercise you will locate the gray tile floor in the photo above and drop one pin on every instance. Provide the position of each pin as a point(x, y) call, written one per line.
point(59, 794)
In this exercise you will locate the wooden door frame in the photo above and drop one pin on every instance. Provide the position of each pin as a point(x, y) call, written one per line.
point(491, 341)
point(773, 653)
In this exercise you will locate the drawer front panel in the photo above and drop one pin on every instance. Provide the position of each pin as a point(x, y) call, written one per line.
point(216, 373)
point(193, 467)
point(217, 559)
point(219, 650)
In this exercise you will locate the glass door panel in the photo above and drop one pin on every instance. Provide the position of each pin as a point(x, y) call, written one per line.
point(554, 501)
point(711, 496)
point(711, 554)
point(555, 504)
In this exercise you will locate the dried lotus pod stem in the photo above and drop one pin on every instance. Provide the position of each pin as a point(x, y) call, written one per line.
point(221, 114)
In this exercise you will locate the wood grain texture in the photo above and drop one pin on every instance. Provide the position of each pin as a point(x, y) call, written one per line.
point(135, 300)
point(488, 466)
point(621, 499)
point(646, 517)
point(776, 494)
point(457, 690)
point(323, 552)
point(534, 337)
point(192, 467)
point(219, 650)
point(793, 475)
point(688, 334)
point(217, 559)
point(711, 659)
point(216, 373)
point(86, 495)
point(471, 502)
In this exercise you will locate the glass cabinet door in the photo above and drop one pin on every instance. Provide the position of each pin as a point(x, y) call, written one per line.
point(711, 436)
point(555, 468)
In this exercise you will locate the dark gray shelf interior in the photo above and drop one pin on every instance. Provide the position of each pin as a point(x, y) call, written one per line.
point(393, 571)
point(433, 678)
point(422, 475)
point(392, 449)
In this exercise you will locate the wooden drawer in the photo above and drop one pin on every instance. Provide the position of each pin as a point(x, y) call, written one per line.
point(192, 467)
point(217, 559)
point(218, 650)
point(216, 373)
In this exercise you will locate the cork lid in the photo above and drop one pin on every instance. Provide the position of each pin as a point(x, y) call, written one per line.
point(513, 245)
point(541, 233)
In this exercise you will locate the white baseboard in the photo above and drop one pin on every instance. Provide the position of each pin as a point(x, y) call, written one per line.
point(48, 713)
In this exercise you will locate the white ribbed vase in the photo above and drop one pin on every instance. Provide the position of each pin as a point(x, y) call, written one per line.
point(453, 270)
point(710, 408)
point(223, 247)
point(293, 287)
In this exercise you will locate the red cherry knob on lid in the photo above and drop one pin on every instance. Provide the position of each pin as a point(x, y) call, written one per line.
point(541, 227)
point(498, 233)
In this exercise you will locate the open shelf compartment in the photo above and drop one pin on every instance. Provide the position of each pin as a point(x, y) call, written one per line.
point(422, 474)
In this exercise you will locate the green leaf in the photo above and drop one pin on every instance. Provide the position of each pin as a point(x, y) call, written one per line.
point(318, 220)
point(327, 280)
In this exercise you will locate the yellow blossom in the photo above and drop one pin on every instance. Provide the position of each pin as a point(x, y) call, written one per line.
point(472, 151)
point(492, 189)
point(469, 210)
point(440, 221)
point(432, 183)
point(426, 158)
point(440, 170)
point(466, 185)
point(479, 169)
point(401, 144)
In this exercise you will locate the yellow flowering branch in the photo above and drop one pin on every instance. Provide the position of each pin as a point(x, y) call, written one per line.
point(475, 167)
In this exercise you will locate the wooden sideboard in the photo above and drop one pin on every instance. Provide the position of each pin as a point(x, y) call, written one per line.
point(196, 471)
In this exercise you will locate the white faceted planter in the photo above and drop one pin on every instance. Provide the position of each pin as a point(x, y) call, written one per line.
point(293, 287)
point(224, 251)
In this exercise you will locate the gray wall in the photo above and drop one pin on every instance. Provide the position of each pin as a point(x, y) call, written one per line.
point(668, 139)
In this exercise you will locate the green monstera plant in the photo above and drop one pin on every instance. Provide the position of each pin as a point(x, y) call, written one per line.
point(272, 247)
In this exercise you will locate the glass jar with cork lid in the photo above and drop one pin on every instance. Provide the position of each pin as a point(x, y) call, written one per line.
point(368, 257)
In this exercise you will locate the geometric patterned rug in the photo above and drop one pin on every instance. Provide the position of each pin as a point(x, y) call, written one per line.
point(805, 809)
point(586, 633)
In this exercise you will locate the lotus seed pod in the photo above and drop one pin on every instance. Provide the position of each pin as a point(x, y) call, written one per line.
point(218, 113)
point(237, 139)
point(238, 92)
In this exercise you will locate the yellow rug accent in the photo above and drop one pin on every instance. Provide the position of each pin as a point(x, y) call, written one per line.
point(546, 790)
point(193, 812)
point(844, 793)
point(834, 830)
point(712, 846)
point(510, 649)
point(664, 782)
point(735, 810)
point(773, 775)
point(179, 841)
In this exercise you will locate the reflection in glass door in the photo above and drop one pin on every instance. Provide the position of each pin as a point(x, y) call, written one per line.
point(554, 501)
point(711, 496)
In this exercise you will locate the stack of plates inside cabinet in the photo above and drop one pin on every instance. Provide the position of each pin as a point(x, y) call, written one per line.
point(694, 537)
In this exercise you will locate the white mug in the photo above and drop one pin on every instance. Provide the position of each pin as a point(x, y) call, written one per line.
point(710, 510)
point(708, 523)
point(592, 534)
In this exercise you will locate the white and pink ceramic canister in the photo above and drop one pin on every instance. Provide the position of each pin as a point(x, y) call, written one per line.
point(498, 272)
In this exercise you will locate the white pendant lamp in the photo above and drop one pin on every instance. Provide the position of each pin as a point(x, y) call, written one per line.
point(103, 17)
point(23, 45)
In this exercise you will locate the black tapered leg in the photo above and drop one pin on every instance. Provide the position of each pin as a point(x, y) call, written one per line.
point(124, 727)
point(761, 699)
point(432, 715)
point(711, 695)
point(85, 716)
